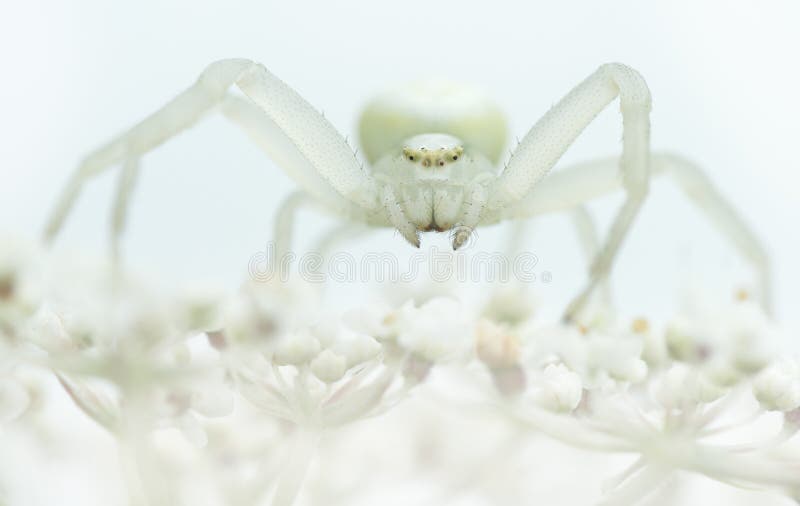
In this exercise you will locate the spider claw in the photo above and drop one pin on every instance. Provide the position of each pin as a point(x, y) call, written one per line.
point(460, 237)
point(411, 236)
point(409, 233)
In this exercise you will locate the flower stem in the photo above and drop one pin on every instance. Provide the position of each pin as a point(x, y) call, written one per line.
point(129, 463)
point(303, 450)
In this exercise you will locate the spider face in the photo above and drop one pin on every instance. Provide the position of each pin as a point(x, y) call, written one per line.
point(435, 158)
point(430, 176)
point(431, 144)
point(433, 150)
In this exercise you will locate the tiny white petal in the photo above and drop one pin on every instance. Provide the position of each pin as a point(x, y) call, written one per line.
point(376, 320)
point(357, 348)
point(777, 387)
point(561, 389)
point(298, 348)
point(328, 366)
point(496, 345)
point(436, 330)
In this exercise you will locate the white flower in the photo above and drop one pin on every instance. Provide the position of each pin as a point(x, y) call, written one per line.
point(247, 320)
point(620, 358)
point(298, 348)
point(496, 345)
point(112, 318)
point(437, 330)
point(597, 357)
point(777, 387)
point(356, 348)
point(328, 366)
point(560, 389)
point(200, 308)
point(185, 402)
point(752, 335)
point(511, 304)
point(376, 320)
point(683, 386)
point(46, 329)
point(687, 340)
point(739, 334)
point(329, 338)
point(332, 354)
point(654, 347)
point(182, 407)
point(260, 312)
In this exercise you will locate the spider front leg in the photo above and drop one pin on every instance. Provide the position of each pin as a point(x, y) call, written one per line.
point(552, 135)
point(586, 231)
point(298, 137)
point(284, 222)
point(586, 234)
point(601, 266)
point(570, 188)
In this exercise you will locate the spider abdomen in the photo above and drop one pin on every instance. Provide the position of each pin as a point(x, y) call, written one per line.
point(432, 106)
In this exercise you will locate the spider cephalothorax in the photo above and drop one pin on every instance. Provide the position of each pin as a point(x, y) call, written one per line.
point(433, 178)
point(433, 153)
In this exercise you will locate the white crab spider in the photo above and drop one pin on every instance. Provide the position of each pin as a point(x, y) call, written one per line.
point(433, 152)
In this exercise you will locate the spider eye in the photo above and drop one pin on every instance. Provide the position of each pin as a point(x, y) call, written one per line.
point(411, 158)
point(455, 157)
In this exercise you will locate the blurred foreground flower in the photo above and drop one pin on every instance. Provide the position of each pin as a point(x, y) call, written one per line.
point(239, 399)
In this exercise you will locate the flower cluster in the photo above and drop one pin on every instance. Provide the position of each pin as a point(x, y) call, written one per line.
point(262, 383)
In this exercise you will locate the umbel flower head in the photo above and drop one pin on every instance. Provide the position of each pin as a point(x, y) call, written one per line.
point(262, 396)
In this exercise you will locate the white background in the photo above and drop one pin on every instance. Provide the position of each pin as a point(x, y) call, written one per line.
point(724, 77)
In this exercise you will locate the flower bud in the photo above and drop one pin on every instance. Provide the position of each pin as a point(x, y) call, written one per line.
point(561, 389)
point(777, 387)
point(296, 349)
point(437, 330)
point(328, 366)
point(496, 346)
